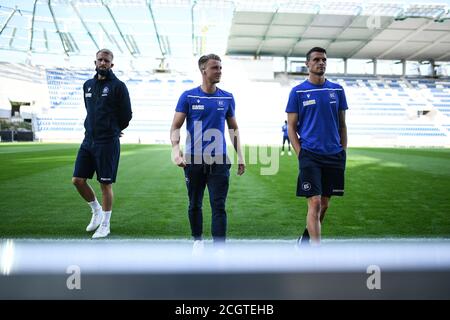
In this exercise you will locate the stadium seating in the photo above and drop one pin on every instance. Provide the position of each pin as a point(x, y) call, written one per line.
point(384, 111)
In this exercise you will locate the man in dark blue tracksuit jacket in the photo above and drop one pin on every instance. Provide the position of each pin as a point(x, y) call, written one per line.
point(108, 113)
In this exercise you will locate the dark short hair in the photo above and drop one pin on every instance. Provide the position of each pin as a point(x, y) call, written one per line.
point(315, 49)
point(204, 59)
point(107, 51)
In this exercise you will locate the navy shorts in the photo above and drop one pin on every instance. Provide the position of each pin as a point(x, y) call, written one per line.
point(321, 174)
point(102, 158)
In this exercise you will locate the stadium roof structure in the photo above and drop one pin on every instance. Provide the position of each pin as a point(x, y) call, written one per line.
point(179, 28)
point(347, 29)
point(133, 28)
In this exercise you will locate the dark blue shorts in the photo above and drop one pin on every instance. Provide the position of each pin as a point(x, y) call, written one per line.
point(321, 174)
point(102, 158)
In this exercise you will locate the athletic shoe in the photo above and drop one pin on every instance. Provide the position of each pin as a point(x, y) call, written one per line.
point(303, 240)
point(96, 219)
point(282, 153)
point(197, 248)
point(289, 153)
point(102, 231)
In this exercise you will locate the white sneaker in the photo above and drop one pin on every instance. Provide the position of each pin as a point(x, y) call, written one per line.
point(102, 231)
point(289, 153)
point(197, 248)
point(282, 153)
point(96, 219)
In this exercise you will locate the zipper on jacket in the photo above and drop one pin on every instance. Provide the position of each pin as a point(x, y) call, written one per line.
point(95, 95)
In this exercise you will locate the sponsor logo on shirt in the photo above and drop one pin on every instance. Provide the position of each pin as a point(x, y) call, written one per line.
point(309, 102)
point(332, 97)
point(105, 91)
point(198, 107)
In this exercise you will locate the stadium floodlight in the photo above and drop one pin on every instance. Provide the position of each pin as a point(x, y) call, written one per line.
point(341, 8)
point(171, 3)
point(443, 18)
point(129, 2)
point(423, 11)
point(382, 9)
point(257, 5)
point(310, 7)
point(218, 4)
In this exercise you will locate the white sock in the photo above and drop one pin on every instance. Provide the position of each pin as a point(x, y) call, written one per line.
point(106, 217)
point(95, 206)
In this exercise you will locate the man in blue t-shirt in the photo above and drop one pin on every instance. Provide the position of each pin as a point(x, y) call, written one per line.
point(285, 138)
point(316, 112)
point(206, 109)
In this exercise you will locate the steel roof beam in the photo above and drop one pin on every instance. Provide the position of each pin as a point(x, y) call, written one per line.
point(72, 3)
point(32, 25)
point(8, 19)
point(345, 27)
point(267, 31)
point(194, 3)
point(117, 26)
point(158, 38)
point(57, 27)
point(402, 41)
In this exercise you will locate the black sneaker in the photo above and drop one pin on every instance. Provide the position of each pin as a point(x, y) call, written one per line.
point(303, 240)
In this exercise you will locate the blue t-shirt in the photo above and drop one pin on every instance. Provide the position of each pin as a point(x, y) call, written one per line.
point(205, 120)
point(318, 115)
point(285, 130)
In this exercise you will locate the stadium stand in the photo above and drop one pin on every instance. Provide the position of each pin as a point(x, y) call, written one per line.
point(383, 111)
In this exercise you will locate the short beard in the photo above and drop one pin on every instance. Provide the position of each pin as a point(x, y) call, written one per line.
point(102, 72)
point(321, 73)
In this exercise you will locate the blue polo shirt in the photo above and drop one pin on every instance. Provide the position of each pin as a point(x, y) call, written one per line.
point(284, 128)
point(318, 115)
point(205, 120)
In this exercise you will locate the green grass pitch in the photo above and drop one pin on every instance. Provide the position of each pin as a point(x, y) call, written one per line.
point(389, 193)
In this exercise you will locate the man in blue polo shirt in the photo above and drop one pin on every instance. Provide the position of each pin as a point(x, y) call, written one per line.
point(285, 138)
point(316, 114)
point(206, 109)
